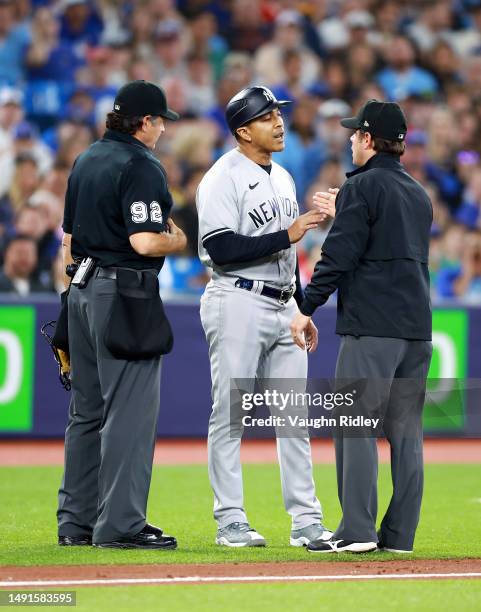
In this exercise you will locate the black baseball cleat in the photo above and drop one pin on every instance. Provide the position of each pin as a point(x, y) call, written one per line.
point(150, 538)
point(83, 540)
point(333, 546)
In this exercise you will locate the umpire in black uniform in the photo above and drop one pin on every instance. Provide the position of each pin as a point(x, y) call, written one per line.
point(376, 255)
point(117, 224)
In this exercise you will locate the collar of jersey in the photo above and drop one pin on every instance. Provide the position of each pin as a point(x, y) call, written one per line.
point(121, 137)
point(380, 160)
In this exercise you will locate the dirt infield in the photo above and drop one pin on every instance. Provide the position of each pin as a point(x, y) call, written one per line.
point(90, 575)
point(181, 452)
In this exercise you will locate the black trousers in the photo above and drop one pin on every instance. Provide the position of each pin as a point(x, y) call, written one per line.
point(395, 371)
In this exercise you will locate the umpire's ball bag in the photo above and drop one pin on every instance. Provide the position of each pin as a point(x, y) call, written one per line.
point(137, 327)
point(60, 337)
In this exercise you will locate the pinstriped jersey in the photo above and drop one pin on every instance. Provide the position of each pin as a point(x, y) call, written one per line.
point(237, 195)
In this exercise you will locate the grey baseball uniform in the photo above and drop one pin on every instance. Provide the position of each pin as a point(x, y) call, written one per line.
point(248, 333)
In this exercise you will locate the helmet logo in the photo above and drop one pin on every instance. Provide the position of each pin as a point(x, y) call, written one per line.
point(268, 95)
point(366, 124)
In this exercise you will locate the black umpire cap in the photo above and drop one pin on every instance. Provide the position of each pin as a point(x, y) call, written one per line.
point(382, 119)
point(249, 104)
point(140, 98)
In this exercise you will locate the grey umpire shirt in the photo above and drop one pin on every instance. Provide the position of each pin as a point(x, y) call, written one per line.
point(376, 255)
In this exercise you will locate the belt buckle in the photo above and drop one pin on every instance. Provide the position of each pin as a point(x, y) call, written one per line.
point(286, 295)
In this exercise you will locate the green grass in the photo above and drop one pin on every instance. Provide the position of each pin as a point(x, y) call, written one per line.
point(422, 595)
point(181, 503)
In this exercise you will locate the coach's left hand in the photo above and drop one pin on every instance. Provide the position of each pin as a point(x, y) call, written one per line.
point(304, 332)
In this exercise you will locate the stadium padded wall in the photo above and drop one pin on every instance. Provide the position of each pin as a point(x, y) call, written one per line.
point(33, 404)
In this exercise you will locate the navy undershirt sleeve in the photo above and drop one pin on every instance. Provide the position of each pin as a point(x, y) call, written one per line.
point(232, 248)
point(299, 293)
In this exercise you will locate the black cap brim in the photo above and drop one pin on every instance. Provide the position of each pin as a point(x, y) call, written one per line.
point(352, 123)
point(273, 105)
point(268, 109)
point(170, 114)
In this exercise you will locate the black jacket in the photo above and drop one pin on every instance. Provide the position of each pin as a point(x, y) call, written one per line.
point(376, 254)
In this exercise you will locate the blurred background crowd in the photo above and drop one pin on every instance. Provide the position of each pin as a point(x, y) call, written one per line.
point(61, 63)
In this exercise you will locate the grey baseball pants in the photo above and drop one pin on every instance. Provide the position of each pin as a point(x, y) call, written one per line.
point(248, 337)
point(110, 437)
point(384, 359)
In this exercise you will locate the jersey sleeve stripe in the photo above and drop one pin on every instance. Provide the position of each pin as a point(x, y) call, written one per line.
point(217, 232)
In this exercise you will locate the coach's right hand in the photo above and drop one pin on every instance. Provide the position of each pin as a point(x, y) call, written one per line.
point(302, 224)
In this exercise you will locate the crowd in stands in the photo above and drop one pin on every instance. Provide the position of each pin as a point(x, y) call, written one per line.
point(61, 63)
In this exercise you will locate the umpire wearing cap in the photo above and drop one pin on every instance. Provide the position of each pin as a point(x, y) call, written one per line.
point(376, 255)
point(116, 224)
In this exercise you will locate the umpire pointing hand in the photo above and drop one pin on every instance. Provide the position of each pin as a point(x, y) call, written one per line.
point(376, 255)
point(117, 227)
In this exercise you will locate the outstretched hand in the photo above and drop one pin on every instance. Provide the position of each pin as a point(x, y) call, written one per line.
point(325, 202)
point(304, 332)
point(303, 223)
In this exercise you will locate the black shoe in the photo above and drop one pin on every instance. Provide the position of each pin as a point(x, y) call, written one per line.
point(83, 540)
point(384, 547)
point(332, 546)
point(149, 538)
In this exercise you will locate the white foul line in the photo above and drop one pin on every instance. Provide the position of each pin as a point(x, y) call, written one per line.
point(183, 579)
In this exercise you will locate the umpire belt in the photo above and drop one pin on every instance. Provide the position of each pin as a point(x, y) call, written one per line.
point(111, 272)
point(281, 295)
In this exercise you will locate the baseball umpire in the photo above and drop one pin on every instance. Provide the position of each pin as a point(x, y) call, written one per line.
point(248, 224)
point(376, 255)
point(116, 225)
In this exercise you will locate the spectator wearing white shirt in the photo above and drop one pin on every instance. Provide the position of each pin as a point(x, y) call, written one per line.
point(11, 114)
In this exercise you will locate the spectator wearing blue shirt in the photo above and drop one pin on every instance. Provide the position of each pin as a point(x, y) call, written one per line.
point(444, 176)
point(449, 261)
point(95, 77)
point(51, 69)
point(335, 138)
point(304, 152)
point(14, 40)
point(465, 280)
point(402, 78)
point(469, 211)
point(292, 87)
point(207, 41)
point(183, 275)
point(49, 58)
point(81, 107)
point(80, 24)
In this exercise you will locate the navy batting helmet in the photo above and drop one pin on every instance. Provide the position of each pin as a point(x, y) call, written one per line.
point(249, 104)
